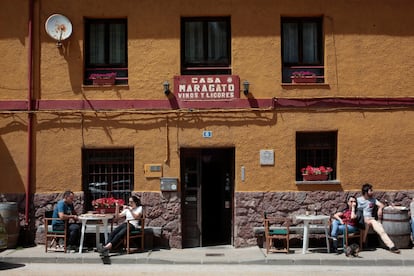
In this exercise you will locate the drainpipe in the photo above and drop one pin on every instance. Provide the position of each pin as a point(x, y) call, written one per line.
point(29, 113)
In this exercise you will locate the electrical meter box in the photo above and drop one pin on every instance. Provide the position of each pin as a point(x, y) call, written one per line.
point(168, 184)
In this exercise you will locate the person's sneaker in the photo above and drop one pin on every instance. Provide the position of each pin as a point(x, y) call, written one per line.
point(71, 249)
point(395, 250)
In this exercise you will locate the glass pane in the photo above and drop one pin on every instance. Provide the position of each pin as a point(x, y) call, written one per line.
point(217, 42)
point(290, 43)
point(193, 42)
point(96, 44)
point(117, 43)
point(310, 42)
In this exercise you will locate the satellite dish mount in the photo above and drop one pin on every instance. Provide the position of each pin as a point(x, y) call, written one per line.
point(59, 28)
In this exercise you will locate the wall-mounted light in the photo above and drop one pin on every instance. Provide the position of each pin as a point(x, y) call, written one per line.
point(246, 87)
point(166, 85)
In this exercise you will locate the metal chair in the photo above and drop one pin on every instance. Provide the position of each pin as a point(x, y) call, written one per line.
point(281, 232)
point(53, 235)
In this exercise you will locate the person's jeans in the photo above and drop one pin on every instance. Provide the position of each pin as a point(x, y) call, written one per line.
point(73, 232)
point(338, 228)
point(119, 233)
point(412, 228)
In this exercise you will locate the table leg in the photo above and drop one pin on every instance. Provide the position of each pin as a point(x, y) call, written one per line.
point(305, 237)
point(97, 234)
point(82, 235)
point(105, 222)
point(327, 236)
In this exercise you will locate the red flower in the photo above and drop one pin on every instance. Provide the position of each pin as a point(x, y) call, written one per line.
point(106, 202)
point(309, 170)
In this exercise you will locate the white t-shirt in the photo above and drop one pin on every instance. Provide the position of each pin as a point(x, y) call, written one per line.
point(128, 215)
point(367, 205)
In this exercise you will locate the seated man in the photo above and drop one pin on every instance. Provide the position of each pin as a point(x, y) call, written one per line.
point(367, 202)
point(64, 210)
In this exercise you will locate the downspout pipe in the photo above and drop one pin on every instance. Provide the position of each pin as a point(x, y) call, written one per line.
point(29, 113)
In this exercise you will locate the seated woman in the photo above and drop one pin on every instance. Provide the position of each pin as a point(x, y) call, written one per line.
point(346, 217)
point(133, 211)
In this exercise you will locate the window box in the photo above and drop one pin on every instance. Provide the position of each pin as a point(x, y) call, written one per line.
point(103, 79)
point(105, 210)
point(315, 177)
point(303, 77)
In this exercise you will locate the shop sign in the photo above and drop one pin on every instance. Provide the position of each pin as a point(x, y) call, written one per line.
point(207, 88)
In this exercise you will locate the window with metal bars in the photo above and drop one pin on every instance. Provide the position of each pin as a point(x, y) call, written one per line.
point(107, 173)
point(316, 149)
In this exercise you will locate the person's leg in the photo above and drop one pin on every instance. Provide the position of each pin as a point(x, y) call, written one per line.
point(334, 228)
point(381, 232)
point(74, 233)
point(116, 235)
point(412, 228)
point(334, 234)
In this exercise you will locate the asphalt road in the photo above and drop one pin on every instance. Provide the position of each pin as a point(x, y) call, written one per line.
point(197, 270)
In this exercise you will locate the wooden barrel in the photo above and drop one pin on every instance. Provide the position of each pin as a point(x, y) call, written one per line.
point(3, 234)
point(396, 223)
point(10, 215)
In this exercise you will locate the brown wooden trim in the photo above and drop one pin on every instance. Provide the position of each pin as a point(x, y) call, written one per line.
point(172, 103)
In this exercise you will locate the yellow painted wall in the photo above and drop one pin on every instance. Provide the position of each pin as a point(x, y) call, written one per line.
point(368, 53)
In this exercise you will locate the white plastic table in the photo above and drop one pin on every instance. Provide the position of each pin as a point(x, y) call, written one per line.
point(95, 218)
point(307, 220)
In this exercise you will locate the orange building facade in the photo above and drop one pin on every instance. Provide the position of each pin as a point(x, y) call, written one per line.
point(208, 153)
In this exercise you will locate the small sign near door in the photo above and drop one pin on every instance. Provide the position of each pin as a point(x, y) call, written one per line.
point(207, 134)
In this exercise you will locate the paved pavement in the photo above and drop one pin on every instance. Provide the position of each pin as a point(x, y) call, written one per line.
point(214, 255)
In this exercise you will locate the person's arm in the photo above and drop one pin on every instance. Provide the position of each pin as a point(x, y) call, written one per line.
point(136, 214)
point(64, 216)
point(338, 216)
point(61, 212)
point(380, 206)
point(353, 211)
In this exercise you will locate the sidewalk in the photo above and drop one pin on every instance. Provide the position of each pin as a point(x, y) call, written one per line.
point(214, 255)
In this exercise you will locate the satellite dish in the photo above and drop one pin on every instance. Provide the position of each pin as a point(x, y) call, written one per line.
point(58, 27)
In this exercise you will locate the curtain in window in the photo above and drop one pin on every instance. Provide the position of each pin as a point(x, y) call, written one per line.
point(96, 44)
point(217, 41)
point(310, 42)
point(194, 42)
point(290, 43)
point(116, 43)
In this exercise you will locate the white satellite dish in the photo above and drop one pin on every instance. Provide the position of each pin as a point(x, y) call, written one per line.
point(58, 27)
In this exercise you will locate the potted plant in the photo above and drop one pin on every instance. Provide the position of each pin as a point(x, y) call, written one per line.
point(103, 79)
point(106, 205)
point(303, 77)
point(315, 173)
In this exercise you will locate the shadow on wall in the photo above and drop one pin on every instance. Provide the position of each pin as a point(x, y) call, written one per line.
point(12, 181)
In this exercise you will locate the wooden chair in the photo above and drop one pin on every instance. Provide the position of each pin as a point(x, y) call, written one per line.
point(134, 234)
point(53, 236)
point(280, 233)
point(346, 236)
point(352, 235)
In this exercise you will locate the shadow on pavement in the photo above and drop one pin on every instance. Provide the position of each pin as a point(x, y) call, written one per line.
point(6, 266)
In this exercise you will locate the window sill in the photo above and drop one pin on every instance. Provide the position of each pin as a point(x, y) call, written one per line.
point(305, 84)
point(327, 182)
point(105, 86)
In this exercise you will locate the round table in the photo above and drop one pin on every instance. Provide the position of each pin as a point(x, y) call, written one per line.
point(307, 220)
point(95, 218)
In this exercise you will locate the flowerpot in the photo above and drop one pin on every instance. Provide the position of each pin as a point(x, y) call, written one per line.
point(315, 177)
point(104, 81)
point(304, 79)
point(105, 210)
